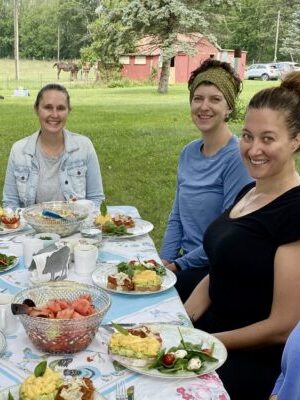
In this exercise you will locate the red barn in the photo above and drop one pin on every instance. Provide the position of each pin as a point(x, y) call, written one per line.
point(146, 62)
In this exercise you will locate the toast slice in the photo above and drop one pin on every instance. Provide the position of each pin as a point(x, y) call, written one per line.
point(77, 389)
point(120, 281)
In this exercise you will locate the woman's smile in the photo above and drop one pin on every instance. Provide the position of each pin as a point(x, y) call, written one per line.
point(53, 111)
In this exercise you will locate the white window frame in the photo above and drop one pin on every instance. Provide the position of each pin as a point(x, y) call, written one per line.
point(160, 61)
point(140, 60)
point(125, 60)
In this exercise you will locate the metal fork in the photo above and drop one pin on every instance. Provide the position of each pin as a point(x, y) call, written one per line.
point(121, 393)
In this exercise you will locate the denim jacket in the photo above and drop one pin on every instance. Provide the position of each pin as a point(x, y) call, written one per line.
point(79, 173)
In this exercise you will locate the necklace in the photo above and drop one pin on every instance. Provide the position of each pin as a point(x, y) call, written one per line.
point(251, 202)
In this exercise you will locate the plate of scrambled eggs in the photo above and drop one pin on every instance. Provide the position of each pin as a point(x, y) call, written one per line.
point(14, 391)
point(127, 353)
point(102, 274)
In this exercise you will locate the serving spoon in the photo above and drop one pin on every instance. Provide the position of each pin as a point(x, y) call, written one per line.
point(54, 215)
point(24, 308)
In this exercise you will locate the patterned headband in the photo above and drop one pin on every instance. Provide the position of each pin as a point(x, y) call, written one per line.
point(221, 79)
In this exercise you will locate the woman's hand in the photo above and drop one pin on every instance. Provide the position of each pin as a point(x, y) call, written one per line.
point(274, 397)
point(172, 267)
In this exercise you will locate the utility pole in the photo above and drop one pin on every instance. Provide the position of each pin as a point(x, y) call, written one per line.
point(58, 43)
point(277, 32)
point(16, 38)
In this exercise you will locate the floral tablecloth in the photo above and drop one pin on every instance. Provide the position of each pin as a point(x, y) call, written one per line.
point(20, 357)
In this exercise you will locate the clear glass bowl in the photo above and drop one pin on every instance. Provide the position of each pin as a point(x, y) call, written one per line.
point(62, 335)
point(76, 212)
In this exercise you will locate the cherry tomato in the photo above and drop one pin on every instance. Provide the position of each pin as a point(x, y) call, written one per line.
point(168, 359)
point(206, 351)
point(152, 262)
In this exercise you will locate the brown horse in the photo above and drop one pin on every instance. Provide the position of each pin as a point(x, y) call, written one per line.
point(67, 67)
point(85, 69)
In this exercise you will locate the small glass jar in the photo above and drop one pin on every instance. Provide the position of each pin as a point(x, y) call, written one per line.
point(92, 233)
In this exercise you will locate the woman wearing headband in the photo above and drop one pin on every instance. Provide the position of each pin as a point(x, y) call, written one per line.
point(210, 173)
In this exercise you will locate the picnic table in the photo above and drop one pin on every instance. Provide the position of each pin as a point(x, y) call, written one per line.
point(20, 357)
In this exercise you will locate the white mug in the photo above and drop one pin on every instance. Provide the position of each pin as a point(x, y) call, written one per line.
point(85, 258)
point(30, 247)
point(8, 321)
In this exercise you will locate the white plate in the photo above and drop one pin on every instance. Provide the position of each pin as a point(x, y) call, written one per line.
point(2, 342)
point(141, 228)
point(5, 231)
point(14, 390)
point(99, 277)
point(171, 337)
point(13, 265)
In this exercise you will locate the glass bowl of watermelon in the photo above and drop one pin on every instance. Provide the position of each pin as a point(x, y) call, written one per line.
point(65, 315)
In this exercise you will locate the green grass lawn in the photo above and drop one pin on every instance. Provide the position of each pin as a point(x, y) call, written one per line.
point(138, 134)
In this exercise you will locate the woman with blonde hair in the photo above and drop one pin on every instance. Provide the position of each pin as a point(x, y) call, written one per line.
point(52, 163)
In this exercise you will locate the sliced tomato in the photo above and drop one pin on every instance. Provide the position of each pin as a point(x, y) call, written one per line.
point(82, 306)
point(67, 313)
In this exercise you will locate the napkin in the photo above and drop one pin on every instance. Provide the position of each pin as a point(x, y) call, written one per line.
point(50, 264)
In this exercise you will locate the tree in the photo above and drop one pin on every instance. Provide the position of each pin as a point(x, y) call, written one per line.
point(40, 21)
point(38, 29)
point(6, 29)
point(291, 45)
point(120, 27)
point(251, 26)
point(74, 18)
point(164, 20)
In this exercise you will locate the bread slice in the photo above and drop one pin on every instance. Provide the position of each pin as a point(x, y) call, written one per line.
point(121, 219)
point(10, 222)
point(77, 388)
point(120, 281)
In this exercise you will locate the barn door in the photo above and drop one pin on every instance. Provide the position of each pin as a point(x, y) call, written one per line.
point(172, 71)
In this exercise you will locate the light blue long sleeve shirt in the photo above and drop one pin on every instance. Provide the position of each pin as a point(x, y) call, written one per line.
point(206, 186)
point(287, 386)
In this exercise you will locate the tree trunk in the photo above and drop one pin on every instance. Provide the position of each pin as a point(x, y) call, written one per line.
point(163, 84)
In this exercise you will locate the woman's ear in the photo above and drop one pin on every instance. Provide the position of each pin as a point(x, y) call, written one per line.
point(226, 119)
point(296, 142)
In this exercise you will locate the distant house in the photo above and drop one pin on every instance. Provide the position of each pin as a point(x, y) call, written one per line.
point(145, 63)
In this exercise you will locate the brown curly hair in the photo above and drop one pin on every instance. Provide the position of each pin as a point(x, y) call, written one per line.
point(211, 63)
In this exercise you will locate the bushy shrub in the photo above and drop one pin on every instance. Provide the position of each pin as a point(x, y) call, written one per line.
point(122, 82)
point(239, 112)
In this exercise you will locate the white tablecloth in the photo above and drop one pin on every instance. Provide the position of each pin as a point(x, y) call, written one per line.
point(20, 356)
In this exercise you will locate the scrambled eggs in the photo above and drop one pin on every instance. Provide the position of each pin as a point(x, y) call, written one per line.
point(134, 346)
point(41, 388)
point(146, 279)
point(101, 219)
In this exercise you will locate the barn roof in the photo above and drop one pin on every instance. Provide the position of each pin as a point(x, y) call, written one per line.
point(149, 45)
